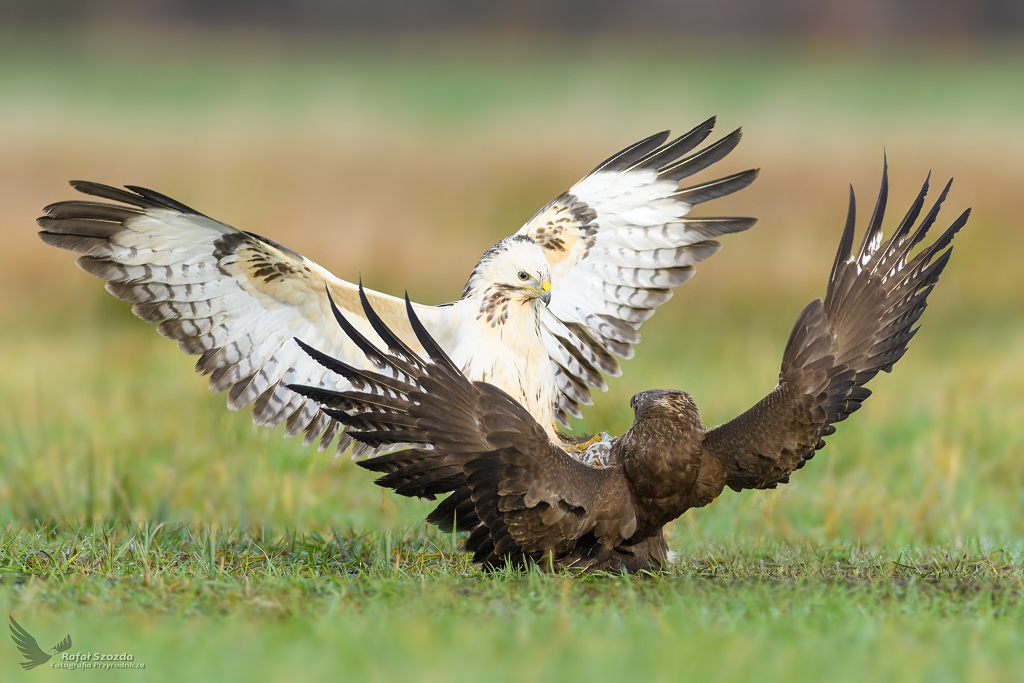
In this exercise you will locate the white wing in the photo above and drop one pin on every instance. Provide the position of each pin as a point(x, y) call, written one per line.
point(235, 299)
point(618, 243)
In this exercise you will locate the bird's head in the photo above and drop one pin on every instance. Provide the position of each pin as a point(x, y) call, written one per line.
point(659, 447)
point(664, 404)
point(515, 269)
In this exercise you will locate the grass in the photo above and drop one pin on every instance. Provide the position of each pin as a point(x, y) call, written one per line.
point(138, 515)
point(146, 518)
point(230, 604)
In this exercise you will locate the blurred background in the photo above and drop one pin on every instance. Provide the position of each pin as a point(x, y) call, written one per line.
point(397, 140)
point(791, 19)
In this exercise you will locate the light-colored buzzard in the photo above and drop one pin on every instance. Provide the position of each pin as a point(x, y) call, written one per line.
point(602, 256)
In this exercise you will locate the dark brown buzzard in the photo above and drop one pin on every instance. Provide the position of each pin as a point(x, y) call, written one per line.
point(522, 499)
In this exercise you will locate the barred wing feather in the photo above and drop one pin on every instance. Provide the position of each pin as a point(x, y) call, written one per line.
point(235, 299)
point(618, 242)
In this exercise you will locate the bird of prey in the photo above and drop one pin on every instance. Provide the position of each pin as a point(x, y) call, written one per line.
point(29, 648)
point(523, 500)
point(601, 256)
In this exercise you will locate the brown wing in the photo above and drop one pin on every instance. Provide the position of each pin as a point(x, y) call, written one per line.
point(874, 299)
point(518, 494)
point(538, 501)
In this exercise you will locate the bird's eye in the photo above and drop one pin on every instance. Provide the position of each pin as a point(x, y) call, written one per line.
point(523, 276)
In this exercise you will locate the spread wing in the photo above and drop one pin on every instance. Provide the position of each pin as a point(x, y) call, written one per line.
point(64, 645)
point(235, 299)
point(27, 645)
point(874, 299)
point(618, 242)
point(517, 493)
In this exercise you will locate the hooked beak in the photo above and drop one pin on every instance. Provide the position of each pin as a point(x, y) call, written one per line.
point(544, 293)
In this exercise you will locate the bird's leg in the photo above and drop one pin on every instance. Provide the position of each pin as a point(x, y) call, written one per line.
point(584, 445)
point(571, 444)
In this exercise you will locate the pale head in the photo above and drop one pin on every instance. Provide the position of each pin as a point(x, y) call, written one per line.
point(515, 267)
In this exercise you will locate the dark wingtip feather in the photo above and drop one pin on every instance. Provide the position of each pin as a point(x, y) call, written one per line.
point(364, 344)
point(930, 218)
point(352, 373)
point(93, 188)
point(846, 242)
point(392, 341)
point(83, 244)
point(627, 157)
point(430, 345)
point(951, 231)
point(329, 362)
point(132, 195)
point(872, 234)
point(698, 194)
point(341, 319)
point(304, 389)
point(671, 151)
point(908, 221)
point(98, 211)
point(346, 326)
point(698, 161)
point(162, 199)
point(112, 193)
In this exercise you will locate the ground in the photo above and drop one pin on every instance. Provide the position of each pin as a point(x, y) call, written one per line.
point(139, 515)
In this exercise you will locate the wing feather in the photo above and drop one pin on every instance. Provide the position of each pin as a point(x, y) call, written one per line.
point(235, 299)
point(837, 346)
point(617, 243)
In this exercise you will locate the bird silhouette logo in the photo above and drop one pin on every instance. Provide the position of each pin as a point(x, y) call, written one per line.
point(34, 655)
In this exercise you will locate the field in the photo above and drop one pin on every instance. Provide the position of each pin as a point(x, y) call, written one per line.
point(139, 515)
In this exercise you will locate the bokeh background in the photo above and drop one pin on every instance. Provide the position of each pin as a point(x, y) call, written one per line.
point(397, 140)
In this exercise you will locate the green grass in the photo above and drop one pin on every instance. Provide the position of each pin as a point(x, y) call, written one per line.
point(223, 551)
point(138, 514)
point(229, 606)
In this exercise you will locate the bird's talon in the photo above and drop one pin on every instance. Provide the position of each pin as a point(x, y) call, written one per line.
point(582, 447)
